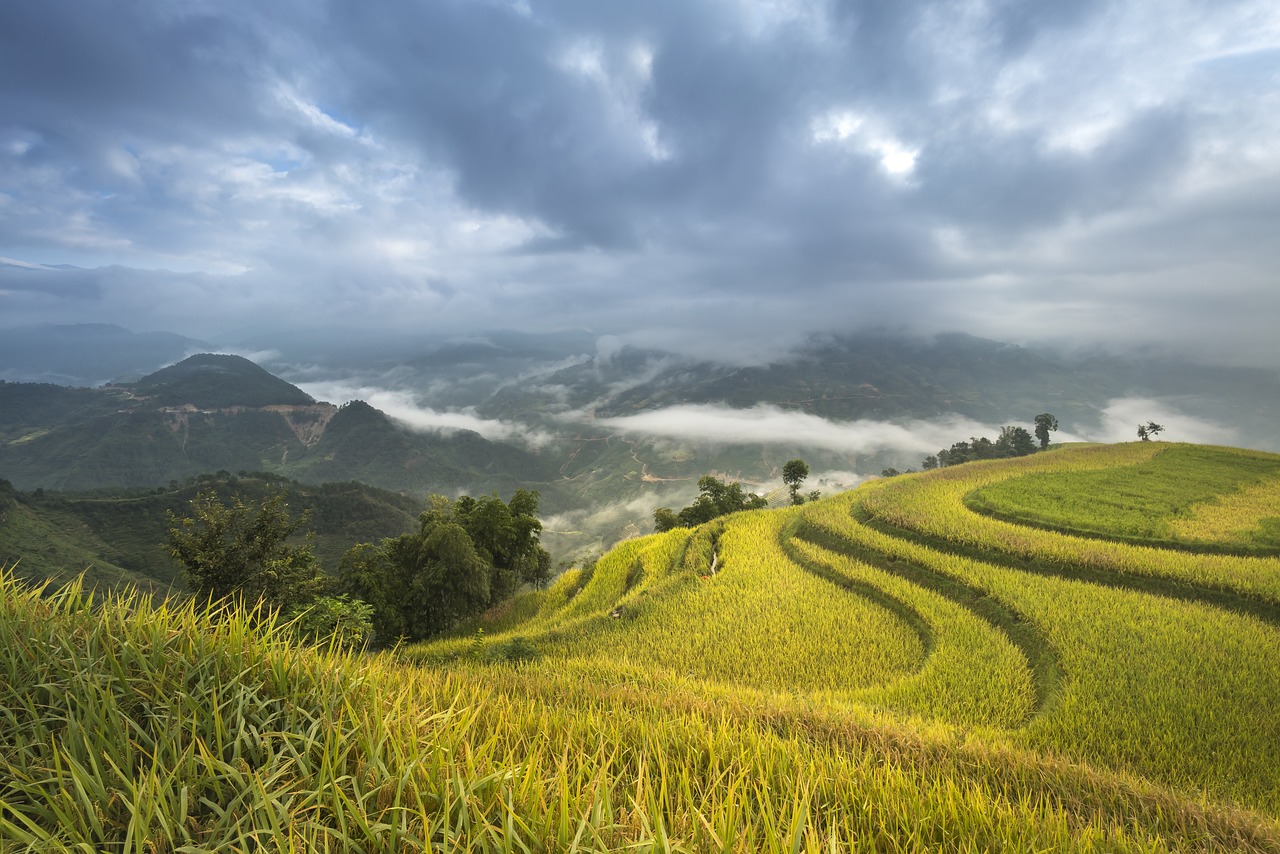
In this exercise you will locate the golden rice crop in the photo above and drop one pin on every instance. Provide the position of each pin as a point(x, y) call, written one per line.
point(760, 620)
point(138, 728)
point(1182, 692)
point(933, 506)
point(974, 675)
point(1234, 518)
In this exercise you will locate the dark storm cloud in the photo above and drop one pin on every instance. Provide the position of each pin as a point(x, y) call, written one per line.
point(727, 166)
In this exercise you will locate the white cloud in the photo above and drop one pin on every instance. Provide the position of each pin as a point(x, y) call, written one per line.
point(1121, 417)
point(868, 136)
point(404, 407)
point(770, 425)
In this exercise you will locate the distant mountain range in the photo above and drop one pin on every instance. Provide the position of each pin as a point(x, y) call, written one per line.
point(87, 354)
point(599, 478)
point(212, 413)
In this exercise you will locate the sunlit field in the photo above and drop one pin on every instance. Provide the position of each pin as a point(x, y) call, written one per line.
point(959, 660)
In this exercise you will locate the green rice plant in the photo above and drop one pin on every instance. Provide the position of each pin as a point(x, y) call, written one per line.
point(1170, 689)
point(974, 675)
point(1144, 501)
point(1249, 518)
point(931, 506)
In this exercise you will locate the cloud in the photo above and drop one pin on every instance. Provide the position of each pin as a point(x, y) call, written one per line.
point(1120, 419)
point(771, 425)
point(404, 407)
point(716, 175)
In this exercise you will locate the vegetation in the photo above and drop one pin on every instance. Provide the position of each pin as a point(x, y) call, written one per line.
point(1012, 442)
point(716, 498)
point(467, 555)
point(1148, 431)
point(886, 669)
point(1166, 499)
point(211, 381)
point(793, 475)
point(122, 534)
point(146, 436)
point(241, 551)
point(1045, 424)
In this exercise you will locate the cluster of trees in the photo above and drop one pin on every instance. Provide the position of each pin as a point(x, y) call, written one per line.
point(466, 555)
point(1012, 442)
point(717, 498)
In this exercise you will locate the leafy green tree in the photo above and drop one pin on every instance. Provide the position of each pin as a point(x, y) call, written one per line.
point(1045, 424)
point(507, 537)
point(467, 555)
point(242, 550)
point(716, 498)
point(664, 519)
point(1146, 432)
point(1015, 442)
point(793, 475)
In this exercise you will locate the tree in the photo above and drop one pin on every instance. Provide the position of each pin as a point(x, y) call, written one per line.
point(1015, 442)
point(716, 498)
point(238, 550)
point(793, 475)
point(1045, 424)
point(466, 555)
point(1149, 430)
point(340, 620)
point(664, 519)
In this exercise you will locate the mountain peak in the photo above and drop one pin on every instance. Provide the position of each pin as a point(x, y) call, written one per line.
point(212, 380)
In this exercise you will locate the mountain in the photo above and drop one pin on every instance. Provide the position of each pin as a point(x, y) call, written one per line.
point(87, 354)
point(121, 535)
point(212, 381)
point(212, 413)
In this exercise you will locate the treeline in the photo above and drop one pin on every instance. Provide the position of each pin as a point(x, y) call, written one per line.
point(467, 555)
point(718, 498)
point(1013, 441)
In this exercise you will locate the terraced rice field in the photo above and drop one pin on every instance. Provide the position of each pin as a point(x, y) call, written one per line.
point(1032, 621)
point(886, 670)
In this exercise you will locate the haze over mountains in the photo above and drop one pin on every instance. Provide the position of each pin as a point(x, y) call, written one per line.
point(605, 432)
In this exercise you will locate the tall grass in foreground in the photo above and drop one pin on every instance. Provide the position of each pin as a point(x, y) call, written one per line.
point(128, 726)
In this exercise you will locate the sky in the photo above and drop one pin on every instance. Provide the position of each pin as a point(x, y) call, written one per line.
point(676, 173)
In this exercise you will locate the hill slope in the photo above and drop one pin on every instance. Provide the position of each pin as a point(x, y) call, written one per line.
point(898, 597)
point(121, 536)
point(883, 670)
point(213, 381)
point(214, 413)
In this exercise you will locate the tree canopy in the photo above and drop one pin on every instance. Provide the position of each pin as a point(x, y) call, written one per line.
point(1013, 441)
point(465, 556)
point(716, 498)
point(1146, 432)
point(793, 475)
point(242, 550)
point(1045, 424)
